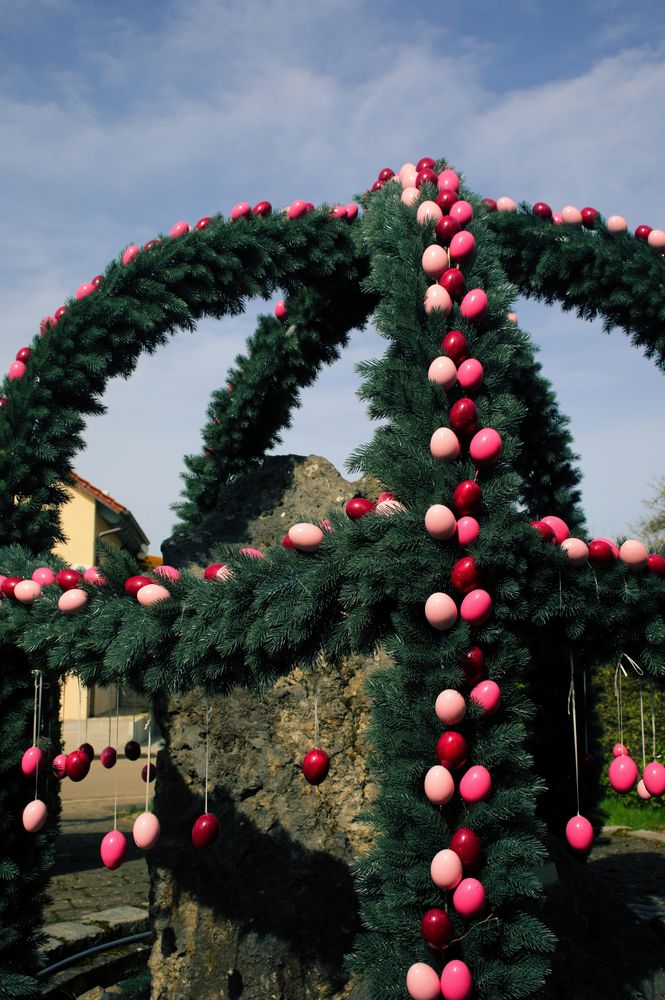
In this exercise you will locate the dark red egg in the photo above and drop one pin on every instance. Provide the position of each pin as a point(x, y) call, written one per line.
point(452, 750)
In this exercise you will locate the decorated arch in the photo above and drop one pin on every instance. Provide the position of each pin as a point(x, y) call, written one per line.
point(448, 573)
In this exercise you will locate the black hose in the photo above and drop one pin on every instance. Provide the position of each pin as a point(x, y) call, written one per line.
point(71, 959)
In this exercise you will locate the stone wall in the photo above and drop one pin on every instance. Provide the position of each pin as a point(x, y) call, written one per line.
point(268, 911)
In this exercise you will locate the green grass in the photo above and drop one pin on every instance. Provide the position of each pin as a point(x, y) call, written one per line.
point(638, 815)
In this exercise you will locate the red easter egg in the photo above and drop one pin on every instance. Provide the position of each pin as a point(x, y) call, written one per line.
point(436, 928)
point(452, 750)
point(589, 216)
point(424, 163)
point(453, 282)
point(464, 416)
point(467, 497)
point(59, 766)
point(600, 553)
point(466, 845)
point(656, 564)
point(205, 830)
point(473, 664)
point(315, 766)
point(148, 774)
point(446, 199)
point(134, 583)
point(132, 750)
point(542, 209)
point(97, 280)
point(23, 354)
point(454, 344)
point(108, 757)
point(68, 579)
point(642, 232)
point(357, 507)
point(88, 750)
point(490, 204)
point(425, 176)
point(210, 572)
point(204, 222)
point(446, 228)
point(387, 173)
point(287, 543)
point(59, 313)
point(8, 584)
point(77, 766)
point(262, 208)
point(464, 575)
point(544, 530)
point(152, 244)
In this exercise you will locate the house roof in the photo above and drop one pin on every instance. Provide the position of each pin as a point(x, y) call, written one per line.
point(122, 513)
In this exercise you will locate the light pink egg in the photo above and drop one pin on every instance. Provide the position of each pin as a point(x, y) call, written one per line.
point(27, 591)
point(151, 594)
point(576, 550)
point(146, 830)
point(444, 444)
point(439, 785)
point(305, 536)
point(450, 707)
point(72, 600)
point(429, 211)
point(35, 815)
point(443, 372)
point(441, 611)
point(446, 869)
point(440, 522)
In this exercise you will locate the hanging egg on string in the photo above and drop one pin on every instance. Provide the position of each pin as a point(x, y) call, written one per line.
point(108, 757)
point(132, 750)
point(148, 773)
point(88, 750)
point(623, 774)
point(205, 830)
point(59, 766)
point(35, 815)
point(77, 766)
point(653, 777)
point(33, 761)
point(579, 833)
point(146, 830)
point(315, 766)
point(113, 849)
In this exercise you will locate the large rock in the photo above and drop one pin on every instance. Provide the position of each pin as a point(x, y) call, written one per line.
point(269, 910)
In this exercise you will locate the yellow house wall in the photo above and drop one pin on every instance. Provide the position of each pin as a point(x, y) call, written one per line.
point(78, 526)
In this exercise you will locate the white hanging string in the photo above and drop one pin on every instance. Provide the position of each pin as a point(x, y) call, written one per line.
point(35, 674)
point(644, 751)
point(110, 718)
point(572, 708)
point(115, 769)
point(653, 720)
point(316, 718)
point(148, 726)
point(208, 716)
point(78, 722)
point(619, 674)
point(39, 687)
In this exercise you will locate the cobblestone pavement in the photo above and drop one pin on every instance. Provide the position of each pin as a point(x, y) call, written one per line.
point(633, 864)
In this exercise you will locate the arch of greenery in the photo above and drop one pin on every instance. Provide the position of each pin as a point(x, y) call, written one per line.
point(368, 582)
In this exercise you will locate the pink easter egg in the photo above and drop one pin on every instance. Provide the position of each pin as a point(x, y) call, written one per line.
point(450, 707)
point(439, 785)
point(576, 550)
point(456, 981)
point(468, 530)
point(462, 244)
point(513, 318)
point(113, 849)
point(85, 289)
point(252, 553)
point(612, 544)
point(486, 446)
point(405, 167)
point(487, 694)
point(505, 204)
point(179, 229)
point(16, 370)
point(296, 209)
point(557, 218)
point(444, 444)
point(168, 573)
point(653, 777)
point(641, 790)
point(429, 211)
point(623, 774)
point(389, 507)
point(441, 611)
point(656, 238)
point(130, 254)
point(59, 766)
point(26, 591)
point(559, 527)
point(440, 522)
point(448, 180)
point(152, 593)
point(422, 982)
point(408, 178)
point(35, 815)
point(306, 537)
point(469, 897)
point(446, 869)
point(72, 600)
point(476, 785)
point(32, 761)
point(435, 261)
point(443, 372)
point(241, 210)
point(93, 575)
point(462, 211)
point(633, 553)
point(43, 576)
point(617, 224)
point(145, 830)
point(571, 215)
point(470, 374)
point(619, 748)
point(437, 297)
point(474, 304)
point(579, 833)
point(280, 309)
point(476, 607)
point(410, 195)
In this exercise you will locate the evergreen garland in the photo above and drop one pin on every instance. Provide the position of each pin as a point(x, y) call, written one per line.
point(368, 582)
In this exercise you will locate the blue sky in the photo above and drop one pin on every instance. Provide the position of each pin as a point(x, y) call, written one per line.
point(119, 119)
